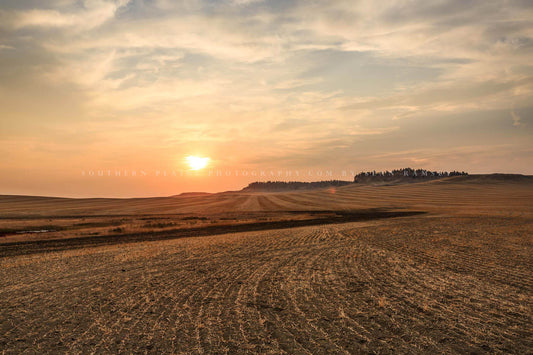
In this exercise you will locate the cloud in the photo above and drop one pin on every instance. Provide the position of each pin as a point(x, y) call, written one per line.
point(516, 118)
point(245, 2)
point(93, 13)
point(450, 97)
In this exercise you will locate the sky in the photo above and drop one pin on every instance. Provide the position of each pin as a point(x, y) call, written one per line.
point(108, 98)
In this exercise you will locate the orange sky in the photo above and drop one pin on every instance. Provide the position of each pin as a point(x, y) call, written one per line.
point(279, 86)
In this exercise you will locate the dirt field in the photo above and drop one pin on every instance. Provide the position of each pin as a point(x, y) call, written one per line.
point(456, 279)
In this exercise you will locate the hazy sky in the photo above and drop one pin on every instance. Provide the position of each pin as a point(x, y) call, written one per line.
point(89, 86)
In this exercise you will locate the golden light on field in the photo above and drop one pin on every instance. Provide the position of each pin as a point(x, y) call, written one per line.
point(197, 163)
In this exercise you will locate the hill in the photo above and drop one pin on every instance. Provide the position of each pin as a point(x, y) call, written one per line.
point(293, 185)
point(440, 266)
point(454, 193)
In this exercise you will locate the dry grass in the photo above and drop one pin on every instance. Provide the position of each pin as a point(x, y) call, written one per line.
point(336, 288)
point(440, 283)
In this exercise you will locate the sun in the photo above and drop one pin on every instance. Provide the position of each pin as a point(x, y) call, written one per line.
point(196, 163)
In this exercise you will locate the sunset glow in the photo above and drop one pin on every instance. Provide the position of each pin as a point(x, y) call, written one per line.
point(110, 85)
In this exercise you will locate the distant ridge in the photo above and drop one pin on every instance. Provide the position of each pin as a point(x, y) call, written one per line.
point(293, 185)
point(492, 178)
point(192, 194)
point(388, 178)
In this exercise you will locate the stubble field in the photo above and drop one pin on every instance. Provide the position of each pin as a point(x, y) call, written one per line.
point(455, 279)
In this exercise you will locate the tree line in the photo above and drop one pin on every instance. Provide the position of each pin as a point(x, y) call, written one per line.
point(408, 172)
